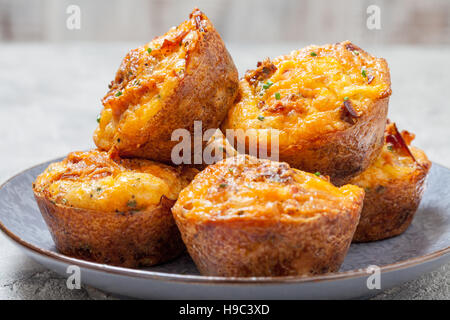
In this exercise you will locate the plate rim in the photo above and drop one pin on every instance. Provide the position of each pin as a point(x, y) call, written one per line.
point(200, 279)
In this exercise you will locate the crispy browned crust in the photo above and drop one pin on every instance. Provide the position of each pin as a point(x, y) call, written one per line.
point(344, 154)
point(130, 239)
point(389, 211)
point(205, 93)
point(269, 248)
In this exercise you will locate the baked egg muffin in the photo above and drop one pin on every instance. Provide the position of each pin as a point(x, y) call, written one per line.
point(327, 104)
point(248, 217)
point(394, 186)
point(110, 210)
point(186, 75)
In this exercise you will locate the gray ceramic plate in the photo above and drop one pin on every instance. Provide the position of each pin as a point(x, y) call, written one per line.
point(423, 247)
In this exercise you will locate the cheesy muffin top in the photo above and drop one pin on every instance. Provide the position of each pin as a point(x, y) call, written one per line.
point(244, 187)
point(156, 78)
point(94, 180)
point(397, 159)
point(310, 92)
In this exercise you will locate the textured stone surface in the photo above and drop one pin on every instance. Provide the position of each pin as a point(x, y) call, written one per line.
point(51, 97)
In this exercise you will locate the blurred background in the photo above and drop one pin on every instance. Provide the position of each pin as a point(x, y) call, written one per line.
point(314, 21)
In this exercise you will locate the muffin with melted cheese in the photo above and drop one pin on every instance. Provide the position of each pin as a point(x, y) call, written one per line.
point(327, 104)
point(246, 217)
point(394, 185)
point(186, 75)
point(111, 210)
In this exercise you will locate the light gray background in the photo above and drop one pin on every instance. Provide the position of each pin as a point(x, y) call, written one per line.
point(51, 86)
point(266, 21)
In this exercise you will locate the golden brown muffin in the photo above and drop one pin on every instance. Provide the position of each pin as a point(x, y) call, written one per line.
point(112, 211)
point(185, 75)
point(245, 217)
point(394, 185)
point(327, 103)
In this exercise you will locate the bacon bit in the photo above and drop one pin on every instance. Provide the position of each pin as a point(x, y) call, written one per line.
point(101, 173)
point(198, 21)
point(351, 47)
point(195, 12)
point(277, 107)
point(350, 109)
point(261, 104)
point(370, 78)
point(166, 45)
point(113, 153)
point(174, 42)
point(348, 112)
point(84, 169)
point(286, 105)
point(293, 97)
point(408, 136)
point(263, 71)
point(197, 15)
point(394, 137)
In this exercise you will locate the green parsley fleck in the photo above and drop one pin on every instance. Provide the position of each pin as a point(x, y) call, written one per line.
point(390, 148)
point(313, 54)
point(317, 173)
point(355, 52)
point(345, 98)
point(267, 85)
point(149, 50)
point(261, 118)
point(277, 96)
point(363, 72)
point(99, 189)
point(223, 185)
point(131, 204)
point(99, 117)
point(118, 93)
